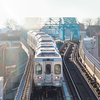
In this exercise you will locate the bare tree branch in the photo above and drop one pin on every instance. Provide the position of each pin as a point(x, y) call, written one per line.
point(88, 21)
point(11, 23)
point(97, 21)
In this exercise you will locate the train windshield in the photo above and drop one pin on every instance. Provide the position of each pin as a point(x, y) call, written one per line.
point(48, 54)
point(57, 69)
point(38, 69)
point(48, 69)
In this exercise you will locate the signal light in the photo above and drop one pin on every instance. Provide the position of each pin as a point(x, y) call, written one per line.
point(56, 77)
point(40, 77)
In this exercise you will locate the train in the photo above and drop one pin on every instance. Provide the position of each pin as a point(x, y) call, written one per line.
point(48, 68)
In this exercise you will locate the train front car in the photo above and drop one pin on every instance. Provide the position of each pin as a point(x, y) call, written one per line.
point(48, 69)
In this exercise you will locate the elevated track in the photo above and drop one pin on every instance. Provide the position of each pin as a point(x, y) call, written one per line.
point(79, 87)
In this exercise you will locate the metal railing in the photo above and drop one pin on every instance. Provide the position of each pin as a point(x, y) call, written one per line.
point(92, 62)
point(25, 87)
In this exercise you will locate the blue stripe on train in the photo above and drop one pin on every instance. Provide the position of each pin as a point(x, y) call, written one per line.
point(48, 60)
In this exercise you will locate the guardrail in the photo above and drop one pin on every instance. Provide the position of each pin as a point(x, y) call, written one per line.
point(92, 63)
point(24, 89)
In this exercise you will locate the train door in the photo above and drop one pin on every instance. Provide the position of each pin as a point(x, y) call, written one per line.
point(48, 76)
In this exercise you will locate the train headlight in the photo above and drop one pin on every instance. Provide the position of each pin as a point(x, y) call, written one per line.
point(40, 77)
point(56, 77)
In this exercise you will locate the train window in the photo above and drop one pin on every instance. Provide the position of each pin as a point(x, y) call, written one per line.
point(46, 41)
point(45, 47)
point(48, 69)
point(47, 50)
point(48, 54)
point(57, 69)
point(38, 69)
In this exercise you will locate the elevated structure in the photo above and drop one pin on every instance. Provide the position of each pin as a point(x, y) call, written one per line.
point(72, 24)
point(59, 27)
point(14, 75)
point(91, 63)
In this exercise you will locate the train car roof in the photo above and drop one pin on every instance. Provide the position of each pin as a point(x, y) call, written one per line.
point(48, 54)
point(46, 43)
point(42, 36)
point(36, 33)
point(45, 46)
point(34, 30)
point(47, 49)
point(46, 40)
point(40, 33)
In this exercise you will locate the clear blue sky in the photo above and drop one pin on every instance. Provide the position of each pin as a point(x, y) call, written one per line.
point(19, 9)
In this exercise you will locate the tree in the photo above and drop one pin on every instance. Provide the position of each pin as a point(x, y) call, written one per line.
point(97, 22)
point(11, 23)
point(88, 21)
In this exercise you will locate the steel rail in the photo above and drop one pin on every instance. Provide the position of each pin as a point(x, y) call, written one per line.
point(71, 76)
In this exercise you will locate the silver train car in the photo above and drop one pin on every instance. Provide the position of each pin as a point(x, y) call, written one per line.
point(48, 71)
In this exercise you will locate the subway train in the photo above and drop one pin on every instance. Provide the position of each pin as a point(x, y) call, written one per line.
point(48, 71)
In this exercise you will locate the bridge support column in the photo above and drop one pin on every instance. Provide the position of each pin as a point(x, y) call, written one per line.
point(63, 31)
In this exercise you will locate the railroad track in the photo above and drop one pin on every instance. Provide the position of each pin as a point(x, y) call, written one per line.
point(91, 79)
point(77, 83)
point(48, 95)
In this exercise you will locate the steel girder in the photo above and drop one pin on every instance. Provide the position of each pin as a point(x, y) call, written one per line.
point(60, 25)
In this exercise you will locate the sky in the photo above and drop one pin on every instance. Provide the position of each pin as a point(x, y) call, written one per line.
point(20, 9)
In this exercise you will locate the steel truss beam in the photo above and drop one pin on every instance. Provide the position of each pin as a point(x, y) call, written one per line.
point(60, 25)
